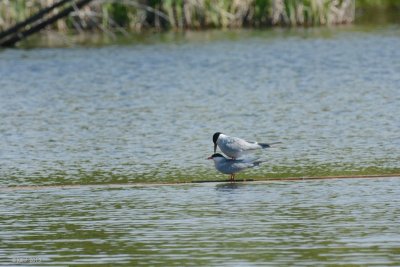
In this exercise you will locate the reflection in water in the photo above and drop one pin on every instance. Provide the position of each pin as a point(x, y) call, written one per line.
point(228, 187)
point(278, 223)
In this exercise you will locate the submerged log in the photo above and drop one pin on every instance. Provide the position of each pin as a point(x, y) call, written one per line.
point(10, 37)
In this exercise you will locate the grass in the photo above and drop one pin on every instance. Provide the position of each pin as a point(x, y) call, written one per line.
point(136, 15)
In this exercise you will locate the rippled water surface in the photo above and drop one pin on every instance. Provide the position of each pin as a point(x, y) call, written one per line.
point(314, 223)
point(146, 112)
point(81, 127)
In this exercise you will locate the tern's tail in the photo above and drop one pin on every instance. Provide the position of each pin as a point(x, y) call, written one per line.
point(265, 145)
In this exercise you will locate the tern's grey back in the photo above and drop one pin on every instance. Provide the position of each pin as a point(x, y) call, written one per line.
point(235, 147)
point(230, 166)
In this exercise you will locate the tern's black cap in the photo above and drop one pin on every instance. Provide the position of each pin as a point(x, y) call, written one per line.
point(215, 137)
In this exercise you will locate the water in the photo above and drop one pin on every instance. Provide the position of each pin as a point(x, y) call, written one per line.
point(352, 222)
point(147, 112)
point(111, 119)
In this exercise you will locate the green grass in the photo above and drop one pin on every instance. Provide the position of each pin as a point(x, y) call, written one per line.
point(201, 14)
point(132, 15)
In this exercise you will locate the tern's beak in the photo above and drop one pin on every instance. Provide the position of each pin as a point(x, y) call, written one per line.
point(215, 148)
point(209, 158)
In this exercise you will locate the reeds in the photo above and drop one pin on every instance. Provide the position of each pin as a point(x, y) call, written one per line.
point(187, 14)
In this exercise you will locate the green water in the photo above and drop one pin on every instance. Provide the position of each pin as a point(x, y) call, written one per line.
point(147, 111)
point(108, 117)
point(311, 223)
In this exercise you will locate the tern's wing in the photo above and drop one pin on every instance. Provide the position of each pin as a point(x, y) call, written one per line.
point(238, 165)
point(238, 144)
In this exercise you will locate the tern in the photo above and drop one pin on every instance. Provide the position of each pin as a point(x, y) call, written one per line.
point(232, 166)
point(235, 147)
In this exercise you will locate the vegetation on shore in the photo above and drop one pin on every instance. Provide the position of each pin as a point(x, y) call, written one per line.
point(136, 15)
point(187, 14)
